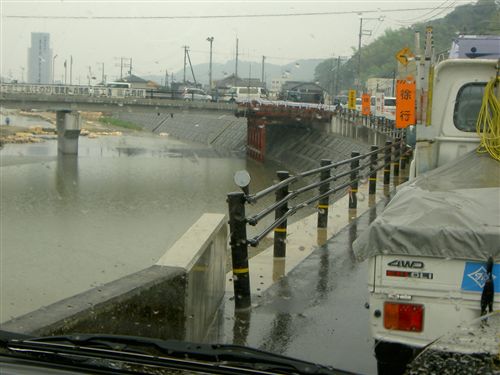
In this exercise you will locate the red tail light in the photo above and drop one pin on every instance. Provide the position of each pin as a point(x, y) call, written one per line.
point(403, 316)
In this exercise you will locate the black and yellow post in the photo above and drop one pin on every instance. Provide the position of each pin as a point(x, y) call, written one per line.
point(324, 202)
point(280, 230)
point(387, 163)
point(397, 155)
point(353, 195)
point(372, 180)
point(239, 249)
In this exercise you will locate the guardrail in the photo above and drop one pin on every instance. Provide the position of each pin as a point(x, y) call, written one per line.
point(358, 167)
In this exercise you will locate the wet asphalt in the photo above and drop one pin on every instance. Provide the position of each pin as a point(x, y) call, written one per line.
point(317, 312)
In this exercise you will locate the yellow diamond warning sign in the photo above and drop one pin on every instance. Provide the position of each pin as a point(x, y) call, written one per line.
point(403, 55)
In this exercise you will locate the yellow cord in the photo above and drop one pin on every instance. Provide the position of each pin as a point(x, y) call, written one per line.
point(488, 121)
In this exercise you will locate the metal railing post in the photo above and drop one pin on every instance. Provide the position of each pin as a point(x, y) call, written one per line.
point(280, 230)
point(397, 156)
point(372, 186)
point(387, 163)
point(239, 249)
point(324, 202)
point(353, 199)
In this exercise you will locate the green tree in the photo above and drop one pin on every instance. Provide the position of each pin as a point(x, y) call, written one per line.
point(378, 58)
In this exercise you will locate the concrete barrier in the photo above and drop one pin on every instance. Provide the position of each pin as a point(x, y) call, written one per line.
point(177, 298)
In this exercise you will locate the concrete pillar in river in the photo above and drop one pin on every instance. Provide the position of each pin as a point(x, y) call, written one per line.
point(68, 131)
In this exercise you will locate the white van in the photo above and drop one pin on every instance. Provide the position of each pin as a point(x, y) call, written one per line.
point(240, 93)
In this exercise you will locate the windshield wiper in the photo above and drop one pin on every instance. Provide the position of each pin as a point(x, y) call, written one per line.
point(172, 354)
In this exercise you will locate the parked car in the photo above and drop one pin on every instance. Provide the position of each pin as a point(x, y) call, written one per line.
point(195, 94)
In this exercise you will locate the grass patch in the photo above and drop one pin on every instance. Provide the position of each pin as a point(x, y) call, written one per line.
point(119, 123)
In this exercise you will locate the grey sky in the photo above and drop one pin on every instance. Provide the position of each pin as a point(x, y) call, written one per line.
point(156, 44)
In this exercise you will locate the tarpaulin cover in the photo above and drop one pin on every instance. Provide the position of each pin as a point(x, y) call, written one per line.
point(450, 212)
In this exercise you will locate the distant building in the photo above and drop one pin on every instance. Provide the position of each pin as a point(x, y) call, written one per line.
point(305, 92)
point(232, 81)
point(374, 85)
point(137, 82)
point(40, 59)
point(277, 83)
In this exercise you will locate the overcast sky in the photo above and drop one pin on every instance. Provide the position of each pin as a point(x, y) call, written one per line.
point(155, 44)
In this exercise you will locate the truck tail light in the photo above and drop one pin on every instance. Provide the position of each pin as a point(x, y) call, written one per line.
point(403, 316)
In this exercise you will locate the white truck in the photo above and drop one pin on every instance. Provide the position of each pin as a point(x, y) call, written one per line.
point(434, 253)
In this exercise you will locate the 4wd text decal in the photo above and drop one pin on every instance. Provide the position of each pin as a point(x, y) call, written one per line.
point(416, 264)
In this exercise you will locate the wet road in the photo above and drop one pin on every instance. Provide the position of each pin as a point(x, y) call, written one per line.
point(317, 312)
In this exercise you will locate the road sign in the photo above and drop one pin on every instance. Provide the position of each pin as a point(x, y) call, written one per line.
point(403, 55)
point(365, 104)
point(351, 101)
point(405, 103)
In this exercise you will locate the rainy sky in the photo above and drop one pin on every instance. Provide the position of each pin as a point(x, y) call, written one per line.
point(153, 33)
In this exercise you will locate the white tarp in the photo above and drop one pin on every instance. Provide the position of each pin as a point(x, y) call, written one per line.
point(450, 212)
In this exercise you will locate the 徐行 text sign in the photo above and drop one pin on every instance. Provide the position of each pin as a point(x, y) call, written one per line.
point(365, 104)
point(405, 103)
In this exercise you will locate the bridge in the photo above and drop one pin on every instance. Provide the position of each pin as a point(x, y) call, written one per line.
point(265, 119)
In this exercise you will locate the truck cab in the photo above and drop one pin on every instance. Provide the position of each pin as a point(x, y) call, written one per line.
point(436, 246)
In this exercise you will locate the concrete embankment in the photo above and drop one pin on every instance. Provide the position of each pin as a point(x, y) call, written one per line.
point(221, 130)
point(296, 148)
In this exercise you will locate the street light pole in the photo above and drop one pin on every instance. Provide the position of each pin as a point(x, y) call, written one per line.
point(53, 67)
point(210, 39)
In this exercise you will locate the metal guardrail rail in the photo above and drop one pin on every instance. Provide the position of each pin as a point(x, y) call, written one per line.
point(393, 154)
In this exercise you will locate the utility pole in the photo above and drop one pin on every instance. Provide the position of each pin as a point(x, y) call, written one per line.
point(191, 65)
point(185, 53)
point(65, 72)
point(103, 79)
point(337, 77)
point(210, 39)
point(236, 67)
point(71, 69)
point(166, 78)
point(130, 68)
point(263, 62)
point(53, 67)
point(121, 67)
point(359, 50)
point(361, 33)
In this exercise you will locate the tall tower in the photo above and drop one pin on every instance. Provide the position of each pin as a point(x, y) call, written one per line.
point(40, 59)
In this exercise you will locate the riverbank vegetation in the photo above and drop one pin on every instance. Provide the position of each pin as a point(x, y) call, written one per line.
point(119, 123)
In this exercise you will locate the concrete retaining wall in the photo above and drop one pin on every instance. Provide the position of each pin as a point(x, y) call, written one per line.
point(221, 130)
point(297, 148)
point(175, 299)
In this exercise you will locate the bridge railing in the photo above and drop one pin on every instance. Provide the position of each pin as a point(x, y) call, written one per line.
point(382, 124)
point(328, 179)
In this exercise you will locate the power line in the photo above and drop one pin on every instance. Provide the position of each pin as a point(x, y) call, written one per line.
point(223, 16)
point(415, 20)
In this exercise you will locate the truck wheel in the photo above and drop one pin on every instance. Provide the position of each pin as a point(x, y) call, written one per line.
point(392, 358)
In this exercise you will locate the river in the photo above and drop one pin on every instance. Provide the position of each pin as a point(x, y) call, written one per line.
point(72, 223)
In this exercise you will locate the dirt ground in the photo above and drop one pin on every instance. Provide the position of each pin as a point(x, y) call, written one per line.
point(34, 133)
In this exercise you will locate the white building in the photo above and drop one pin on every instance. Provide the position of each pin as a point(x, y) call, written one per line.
point(277, 83)
point(40, 59)
point(385, 85)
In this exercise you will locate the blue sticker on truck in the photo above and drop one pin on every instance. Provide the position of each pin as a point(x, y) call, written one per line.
point(475, 276)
